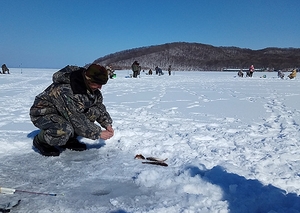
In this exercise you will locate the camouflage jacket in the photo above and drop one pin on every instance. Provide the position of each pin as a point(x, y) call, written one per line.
point(69, 97)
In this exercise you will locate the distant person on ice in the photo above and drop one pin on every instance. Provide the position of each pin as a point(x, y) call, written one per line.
point(250, 71)
point(293, 74)
point(169, 69)
point(136, 68)
point(69, 108)
point(110, 71)
point(158, 71)
point(4, 69)
point(240, 73)
point(280, 74)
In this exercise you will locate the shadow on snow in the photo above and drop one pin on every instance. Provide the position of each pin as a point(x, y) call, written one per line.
point(246, 195)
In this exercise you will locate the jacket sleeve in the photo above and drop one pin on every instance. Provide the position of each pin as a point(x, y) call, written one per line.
point(99, 113)
point(104, 119)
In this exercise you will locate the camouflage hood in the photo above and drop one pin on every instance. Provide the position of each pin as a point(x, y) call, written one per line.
point(63, 76)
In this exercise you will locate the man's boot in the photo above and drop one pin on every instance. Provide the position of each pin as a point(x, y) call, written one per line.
point(75, 145)
point(44, 148)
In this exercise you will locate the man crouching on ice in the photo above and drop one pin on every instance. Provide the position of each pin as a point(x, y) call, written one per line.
point(69, 108)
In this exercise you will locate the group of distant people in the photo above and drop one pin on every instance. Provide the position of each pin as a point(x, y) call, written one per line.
point(280, 74)
point(4, 69)
point(136, 69)
point(292, 75)
point(249, 73)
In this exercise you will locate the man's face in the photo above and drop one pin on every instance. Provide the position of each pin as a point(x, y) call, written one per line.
point(94, 86)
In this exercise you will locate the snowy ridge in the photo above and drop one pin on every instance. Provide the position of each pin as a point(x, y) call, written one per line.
point(232, 146)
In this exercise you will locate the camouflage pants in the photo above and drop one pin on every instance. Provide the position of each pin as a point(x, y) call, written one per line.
point(55, 130)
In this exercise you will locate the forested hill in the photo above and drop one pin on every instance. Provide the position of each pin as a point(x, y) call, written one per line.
point(196, 56)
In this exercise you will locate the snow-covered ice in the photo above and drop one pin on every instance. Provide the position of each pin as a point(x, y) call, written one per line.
point(232, 146)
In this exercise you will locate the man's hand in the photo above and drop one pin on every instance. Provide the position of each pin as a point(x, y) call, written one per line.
point(107, 134)
point(110, 129)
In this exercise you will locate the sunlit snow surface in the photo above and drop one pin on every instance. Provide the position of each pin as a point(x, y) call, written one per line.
point(232, 146)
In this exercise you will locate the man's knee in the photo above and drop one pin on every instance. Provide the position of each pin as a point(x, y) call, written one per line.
point(58, 136)
point(56, 130)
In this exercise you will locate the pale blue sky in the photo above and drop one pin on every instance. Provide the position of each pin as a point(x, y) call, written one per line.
point(55, 33)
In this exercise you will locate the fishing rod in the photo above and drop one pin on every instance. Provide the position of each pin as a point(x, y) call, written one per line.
point(4, 190)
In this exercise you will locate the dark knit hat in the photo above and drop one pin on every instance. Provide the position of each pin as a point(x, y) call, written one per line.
point(97, 74)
